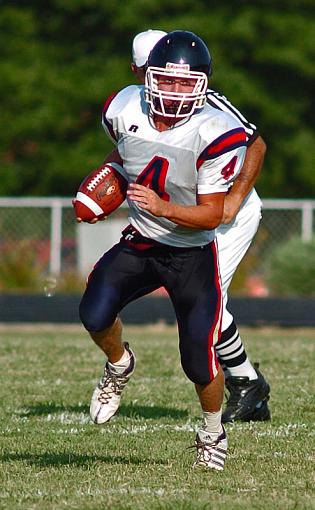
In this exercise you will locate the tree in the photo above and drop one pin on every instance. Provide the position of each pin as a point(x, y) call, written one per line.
point(63, 58)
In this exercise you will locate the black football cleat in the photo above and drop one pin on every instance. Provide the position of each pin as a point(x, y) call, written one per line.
point(248, 399)
point(261, 411)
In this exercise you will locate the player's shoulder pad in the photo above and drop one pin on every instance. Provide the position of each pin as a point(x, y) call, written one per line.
point(215, 93)
point(118, 101)
point(217, 123)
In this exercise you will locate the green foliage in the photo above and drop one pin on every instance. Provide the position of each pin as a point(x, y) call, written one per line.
point(61, 59)
point(291, 269)
point(19, 268)
point(20, 272)
point(70, 282)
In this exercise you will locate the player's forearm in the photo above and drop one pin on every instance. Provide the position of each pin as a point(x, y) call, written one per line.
point(205, 215)
point(249, 173)
point(200, 217)
point(245, 181)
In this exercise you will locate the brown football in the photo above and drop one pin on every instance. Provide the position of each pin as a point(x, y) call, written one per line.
point(101, 192)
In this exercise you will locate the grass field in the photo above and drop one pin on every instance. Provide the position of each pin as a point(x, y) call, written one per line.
point(52, 457)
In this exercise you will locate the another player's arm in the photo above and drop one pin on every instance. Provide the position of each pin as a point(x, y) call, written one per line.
point(206, 215)
point(256, 149)
point(245, 180)
point(113, 157)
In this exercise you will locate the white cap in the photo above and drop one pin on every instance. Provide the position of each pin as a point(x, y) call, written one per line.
point(143, 44)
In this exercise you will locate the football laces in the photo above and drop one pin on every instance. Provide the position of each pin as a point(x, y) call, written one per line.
point(98, 178)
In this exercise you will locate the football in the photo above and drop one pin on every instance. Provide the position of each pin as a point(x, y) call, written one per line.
point(101, 192)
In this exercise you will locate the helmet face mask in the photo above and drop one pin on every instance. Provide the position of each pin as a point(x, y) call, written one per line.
point(190, 94)
point(177, 75)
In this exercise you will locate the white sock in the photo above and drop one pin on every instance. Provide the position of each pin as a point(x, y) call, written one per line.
point(212, 427)
point(246, 369)
point(120, 366)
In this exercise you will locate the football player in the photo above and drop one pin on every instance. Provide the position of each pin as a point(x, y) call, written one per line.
point(248, 389)
point(181, 156)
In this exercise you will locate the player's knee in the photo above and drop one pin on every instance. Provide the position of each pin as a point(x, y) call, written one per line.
point(196, 377)
point(95, 319)
point(94, 323)
point(196, 372)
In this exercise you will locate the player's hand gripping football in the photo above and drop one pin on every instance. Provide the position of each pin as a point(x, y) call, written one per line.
point(94, 220)
point(147, 199)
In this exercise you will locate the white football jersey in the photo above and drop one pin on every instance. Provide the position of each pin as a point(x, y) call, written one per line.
point(201, 155)
point(220, 102)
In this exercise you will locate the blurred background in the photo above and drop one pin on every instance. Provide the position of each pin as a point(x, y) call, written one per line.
point(62, 58)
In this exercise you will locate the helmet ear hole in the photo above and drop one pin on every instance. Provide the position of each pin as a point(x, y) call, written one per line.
point(183, 58)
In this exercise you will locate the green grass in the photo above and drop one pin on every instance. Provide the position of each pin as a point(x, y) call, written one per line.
point(52, 457)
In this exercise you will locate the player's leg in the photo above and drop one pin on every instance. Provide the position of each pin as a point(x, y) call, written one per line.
point(197, 300)
point(248, 389)
point(119, 277)
point(233, 241)
point(211, 440)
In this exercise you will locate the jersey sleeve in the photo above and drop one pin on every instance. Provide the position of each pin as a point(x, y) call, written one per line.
point(221, 161)
point(115, 109)
point(220, 102)
point(106, 119)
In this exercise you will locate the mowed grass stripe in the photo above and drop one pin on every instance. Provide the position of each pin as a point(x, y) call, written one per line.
point(52, 457)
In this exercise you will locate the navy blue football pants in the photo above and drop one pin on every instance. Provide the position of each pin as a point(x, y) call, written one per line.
point(190, 276)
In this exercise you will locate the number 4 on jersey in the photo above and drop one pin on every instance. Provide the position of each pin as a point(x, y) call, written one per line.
point(228, 170)
point(153, 176)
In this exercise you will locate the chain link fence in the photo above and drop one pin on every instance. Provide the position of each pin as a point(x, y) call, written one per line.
point(41, 245)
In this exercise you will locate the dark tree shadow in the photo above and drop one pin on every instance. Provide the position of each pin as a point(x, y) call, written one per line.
point(50, 459)
point(126, 410)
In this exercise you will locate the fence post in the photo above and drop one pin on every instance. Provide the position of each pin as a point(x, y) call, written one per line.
point(307, 221)
point(55, 238)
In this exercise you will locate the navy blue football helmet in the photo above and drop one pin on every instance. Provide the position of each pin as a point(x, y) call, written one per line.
point(180, 57)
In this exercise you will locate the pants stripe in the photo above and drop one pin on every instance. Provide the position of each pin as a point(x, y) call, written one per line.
point(215, 332)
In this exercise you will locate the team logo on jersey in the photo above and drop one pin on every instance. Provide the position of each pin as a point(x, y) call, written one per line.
point(133, 128)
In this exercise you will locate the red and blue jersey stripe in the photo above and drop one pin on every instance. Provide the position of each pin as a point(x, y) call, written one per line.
point(225, 143)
